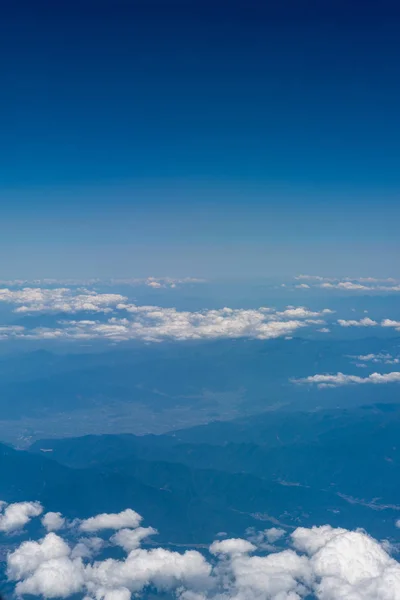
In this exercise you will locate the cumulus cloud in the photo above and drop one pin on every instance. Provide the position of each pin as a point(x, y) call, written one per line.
point(339, 379)
point(322, 562)
point(126, 518)
point(15, 516)
point(154, 323)
point(53, 521)
point(59, 300)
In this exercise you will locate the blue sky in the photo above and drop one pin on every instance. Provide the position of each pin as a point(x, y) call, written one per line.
point(189, 138)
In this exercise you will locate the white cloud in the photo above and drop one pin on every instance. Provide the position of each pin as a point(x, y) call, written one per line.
point(55, 578)
point(381, 357)
point(365, 322)
point(364, 284)
point(154, 323)
point(27, 558)
point(87, 547)
point(312, 277)
point(391, 323)
point(129, 539)
point(53, 521)
point(273, 534)
point(57, 300)
point(303, 286)
point(300, 312)
point(126, 518)
point(349, 564)
point(345, 285)
point(264, 539)
point(339, 379)
point(323, 562)
point(16, 516)
point(232, 546)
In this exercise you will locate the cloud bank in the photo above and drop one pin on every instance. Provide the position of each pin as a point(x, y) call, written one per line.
point(325, 563)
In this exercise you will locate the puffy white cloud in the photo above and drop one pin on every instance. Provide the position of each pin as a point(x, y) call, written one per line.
point(391, 323)
point(349, 564)
point(53, 521)
point(161, 568)
point(55, 578)
point(87, 547)
point(232, 546)
point(16, 516)
point(27, 558)
point(322, 562)
point(365, 322)
point(300, 312)
point(339, 379)
point(126, 518)
point(57, 300)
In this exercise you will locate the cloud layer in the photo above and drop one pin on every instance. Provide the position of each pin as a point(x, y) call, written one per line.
point(325, 563)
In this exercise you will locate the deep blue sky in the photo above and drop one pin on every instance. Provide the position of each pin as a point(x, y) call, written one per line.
point(276, 125)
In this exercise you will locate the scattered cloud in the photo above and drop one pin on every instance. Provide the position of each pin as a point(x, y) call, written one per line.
point(340, 379)
point(322, 562)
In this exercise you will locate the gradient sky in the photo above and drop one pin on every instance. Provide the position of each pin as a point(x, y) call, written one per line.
point(199, 138)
